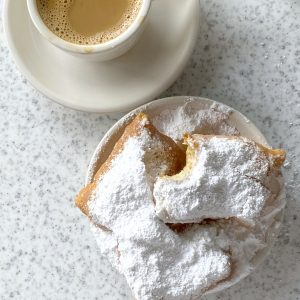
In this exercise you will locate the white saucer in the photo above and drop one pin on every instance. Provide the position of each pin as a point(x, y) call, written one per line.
point(236, 119)
point(119, 85)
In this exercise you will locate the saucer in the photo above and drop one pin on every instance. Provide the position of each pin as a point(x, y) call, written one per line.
point(245, 127)
point(118, 85)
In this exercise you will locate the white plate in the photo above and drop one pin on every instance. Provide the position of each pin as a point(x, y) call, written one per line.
point(122, 84)
point(244, 126)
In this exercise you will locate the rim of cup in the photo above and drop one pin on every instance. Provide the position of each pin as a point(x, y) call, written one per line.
point(93, 48)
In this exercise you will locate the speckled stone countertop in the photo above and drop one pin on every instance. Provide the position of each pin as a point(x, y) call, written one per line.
point(247, 56)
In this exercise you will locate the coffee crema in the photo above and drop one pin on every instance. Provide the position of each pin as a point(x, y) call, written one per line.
point(88, 22)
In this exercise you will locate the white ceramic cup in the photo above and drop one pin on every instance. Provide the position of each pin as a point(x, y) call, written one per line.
point(98, 52)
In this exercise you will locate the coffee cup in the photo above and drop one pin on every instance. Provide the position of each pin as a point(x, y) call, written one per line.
point(102, 46)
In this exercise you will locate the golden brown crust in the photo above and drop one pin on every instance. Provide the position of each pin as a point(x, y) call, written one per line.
point(83, 196)
point(278, 155)
point(175, 156)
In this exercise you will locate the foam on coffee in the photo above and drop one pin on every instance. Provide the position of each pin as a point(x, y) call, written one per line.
point(57, 15)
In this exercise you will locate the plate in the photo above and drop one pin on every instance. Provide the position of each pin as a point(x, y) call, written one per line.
point(236, 119)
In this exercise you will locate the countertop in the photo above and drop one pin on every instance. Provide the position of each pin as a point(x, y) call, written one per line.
point(247, 56)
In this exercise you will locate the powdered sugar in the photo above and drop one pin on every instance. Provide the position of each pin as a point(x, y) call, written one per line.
point(108, 245)
point(149, 253)
point(226, 180)
point(188, 119)
point(157, 262)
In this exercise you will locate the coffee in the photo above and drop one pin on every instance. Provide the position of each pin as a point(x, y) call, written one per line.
point(88, 21)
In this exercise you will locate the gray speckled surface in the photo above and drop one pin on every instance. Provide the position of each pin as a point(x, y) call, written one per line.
point(247, 56)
